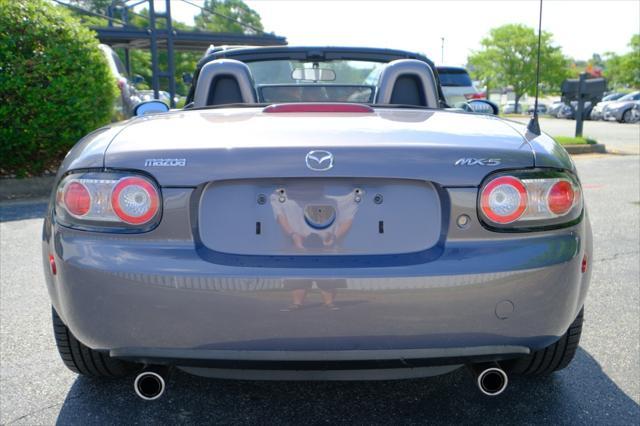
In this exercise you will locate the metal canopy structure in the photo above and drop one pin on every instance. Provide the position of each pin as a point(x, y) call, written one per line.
point(199, 41)
point(166, 37)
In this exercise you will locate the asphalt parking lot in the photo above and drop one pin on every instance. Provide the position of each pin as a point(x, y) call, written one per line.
point(601, 386)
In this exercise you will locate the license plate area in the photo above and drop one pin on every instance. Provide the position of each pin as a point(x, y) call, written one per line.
point(309, 216)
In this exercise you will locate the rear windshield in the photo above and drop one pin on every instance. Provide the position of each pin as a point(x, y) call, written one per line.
point(320, 81)
point(453, 77)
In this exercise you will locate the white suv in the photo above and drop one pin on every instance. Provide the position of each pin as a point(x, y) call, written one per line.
point(457, 85)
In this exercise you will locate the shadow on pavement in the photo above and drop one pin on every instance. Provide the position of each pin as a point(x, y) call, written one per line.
point(21, 210)
point(580, 394)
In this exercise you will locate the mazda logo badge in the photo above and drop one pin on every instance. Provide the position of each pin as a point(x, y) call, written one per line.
point(319, 161)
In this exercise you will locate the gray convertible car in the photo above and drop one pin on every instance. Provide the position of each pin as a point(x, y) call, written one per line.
point(316, 213)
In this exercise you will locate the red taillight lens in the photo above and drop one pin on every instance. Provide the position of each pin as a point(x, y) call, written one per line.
point(77, 199)
point(561, 197)
point(318, 107)
point(135, 200)
point(108, 202)
point(478, 95)
point(504, 199)
point(530, 199)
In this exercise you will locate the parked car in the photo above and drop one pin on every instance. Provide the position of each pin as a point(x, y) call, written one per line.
point(621, 110)
point(555, 108)
point(129, 96)
point(511, 108)
point(320, 228)
point(542, 108)
point(596, 112)
point(457, 85)
point(147, 95)
point(635, 112)
point(569, 111)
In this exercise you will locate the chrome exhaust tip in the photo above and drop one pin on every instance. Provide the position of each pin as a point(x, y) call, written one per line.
point(149, 385)
point(490, 378)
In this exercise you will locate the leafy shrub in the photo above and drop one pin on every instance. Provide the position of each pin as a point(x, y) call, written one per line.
point(55, 85)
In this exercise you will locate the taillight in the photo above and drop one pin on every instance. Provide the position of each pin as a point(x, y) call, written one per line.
point(561, 197)
point(135, 200)
point(477, 95)
point(77, 199)
point(530, 199)
point(504, 199)
point(108, 202)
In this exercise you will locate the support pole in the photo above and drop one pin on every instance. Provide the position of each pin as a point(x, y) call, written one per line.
point(579, 113)
point(155, 71)
point(127, 61)
point(170, 60)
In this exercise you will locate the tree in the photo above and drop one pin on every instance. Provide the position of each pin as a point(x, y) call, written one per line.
point(55, 85)
point(508, 59)
point(230, 16)
point(624, 70)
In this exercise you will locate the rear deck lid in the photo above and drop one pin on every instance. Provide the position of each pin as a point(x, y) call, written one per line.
point(189, 148)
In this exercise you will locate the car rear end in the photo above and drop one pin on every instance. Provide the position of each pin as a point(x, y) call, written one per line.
point(434, 249)
point(457, 85)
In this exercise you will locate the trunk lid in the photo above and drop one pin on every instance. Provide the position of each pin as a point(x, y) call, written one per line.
point(190, 148)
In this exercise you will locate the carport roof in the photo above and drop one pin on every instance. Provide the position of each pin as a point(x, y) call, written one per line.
point(199, 41)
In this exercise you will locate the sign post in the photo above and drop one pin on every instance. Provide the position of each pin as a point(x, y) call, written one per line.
point(582, 90)
point(579, 114)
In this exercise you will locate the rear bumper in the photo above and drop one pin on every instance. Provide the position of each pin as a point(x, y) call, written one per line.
point(325, 365)
point(153, 298)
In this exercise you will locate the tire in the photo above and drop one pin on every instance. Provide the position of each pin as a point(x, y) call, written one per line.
point(626, 117)
point(552, 358)
point(83, 360)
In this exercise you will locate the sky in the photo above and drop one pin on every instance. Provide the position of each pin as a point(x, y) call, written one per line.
point(581, 28)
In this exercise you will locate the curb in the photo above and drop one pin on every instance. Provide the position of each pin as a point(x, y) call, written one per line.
point(35, 187)
point(598, 148)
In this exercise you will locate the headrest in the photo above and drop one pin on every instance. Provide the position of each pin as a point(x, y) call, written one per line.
point(409, 82)
point(224, 81)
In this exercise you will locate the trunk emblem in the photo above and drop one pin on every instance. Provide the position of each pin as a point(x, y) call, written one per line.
point(165, 162)
point(319, 161)
point(478, 162)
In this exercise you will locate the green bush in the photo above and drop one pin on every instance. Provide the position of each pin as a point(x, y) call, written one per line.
point(55, 85)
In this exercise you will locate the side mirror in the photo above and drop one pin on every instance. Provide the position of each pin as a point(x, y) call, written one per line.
point(150, 107)
point(137, 79)
point(481, 106)
point(187, 78)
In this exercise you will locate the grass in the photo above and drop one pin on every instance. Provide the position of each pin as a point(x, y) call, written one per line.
point(569, 140)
